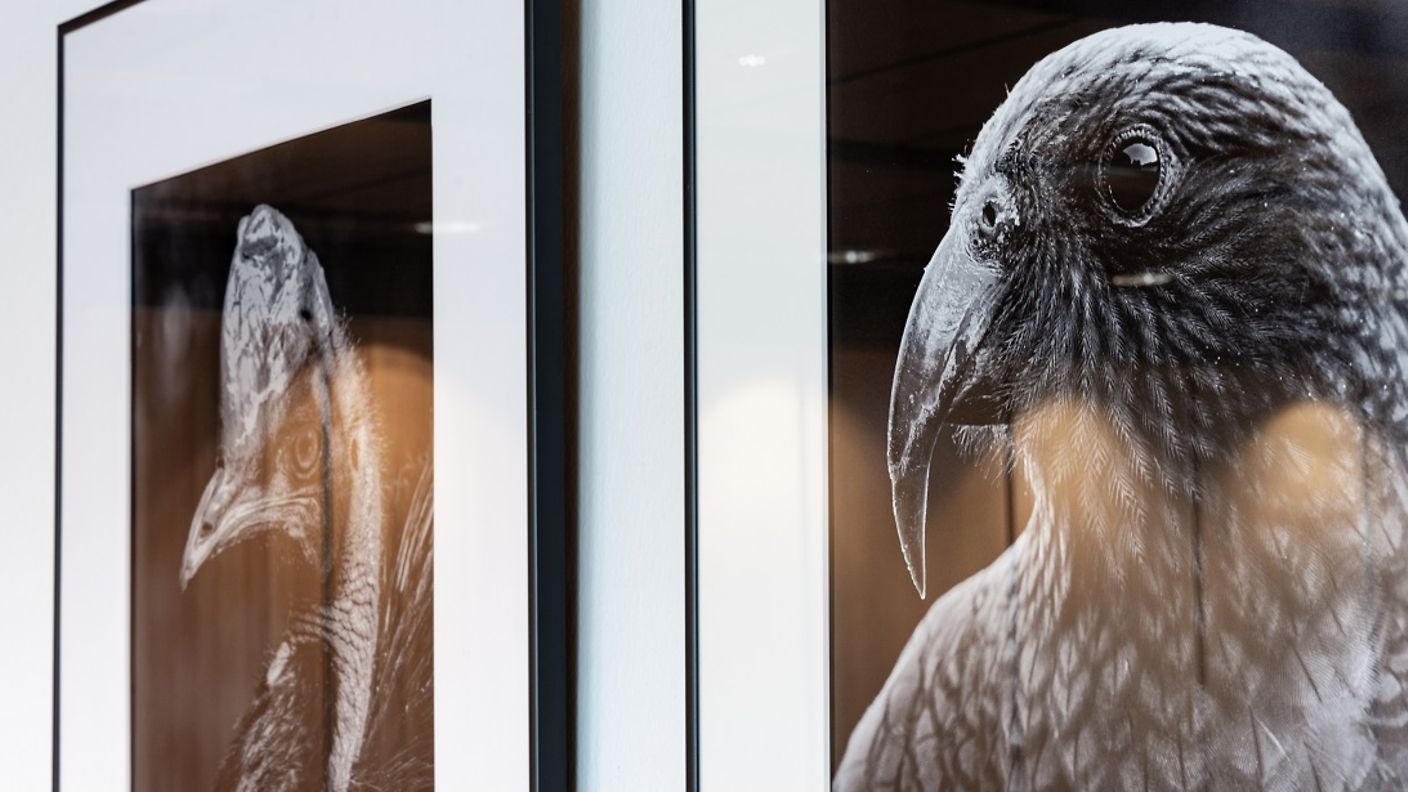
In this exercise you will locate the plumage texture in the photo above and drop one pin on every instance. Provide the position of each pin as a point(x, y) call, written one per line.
point(301, 453)
point(1207, 396)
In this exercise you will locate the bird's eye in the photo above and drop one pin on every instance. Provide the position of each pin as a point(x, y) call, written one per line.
point(1132, 173)
point(305, 451)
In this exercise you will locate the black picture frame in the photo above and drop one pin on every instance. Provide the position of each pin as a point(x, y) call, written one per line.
point(551, 535)
point(690, 117)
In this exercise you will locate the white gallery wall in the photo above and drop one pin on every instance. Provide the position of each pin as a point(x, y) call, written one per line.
point(762, 360)
point(631, 667)
point(28, 69)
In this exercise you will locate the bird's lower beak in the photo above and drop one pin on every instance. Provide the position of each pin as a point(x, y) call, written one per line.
point(187, 571)
point(938, 379)
point(200, 537)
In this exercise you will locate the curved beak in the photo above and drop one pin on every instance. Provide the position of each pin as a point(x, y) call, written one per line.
point(201, 540)
point(938, 379)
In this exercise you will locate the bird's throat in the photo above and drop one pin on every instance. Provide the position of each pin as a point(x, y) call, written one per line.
point(1157, 615)
point(354, 543)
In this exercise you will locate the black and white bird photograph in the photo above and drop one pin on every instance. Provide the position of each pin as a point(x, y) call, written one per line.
point(1120, 461)
point(283, 590)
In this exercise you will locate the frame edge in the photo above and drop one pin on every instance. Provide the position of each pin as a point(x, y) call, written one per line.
point(551, 690)
point(691, 402)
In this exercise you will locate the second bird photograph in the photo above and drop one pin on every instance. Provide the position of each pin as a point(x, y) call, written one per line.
point(283, 595)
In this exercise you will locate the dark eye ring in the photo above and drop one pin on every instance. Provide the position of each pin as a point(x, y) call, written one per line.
point(1134, 173)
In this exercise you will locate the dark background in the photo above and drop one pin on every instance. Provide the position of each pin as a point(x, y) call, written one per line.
point(910, 84)
point(361, 196)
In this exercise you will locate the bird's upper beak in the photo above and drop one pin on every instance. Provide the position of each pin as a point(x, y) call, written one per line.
point(206, 525)
point(938, 379)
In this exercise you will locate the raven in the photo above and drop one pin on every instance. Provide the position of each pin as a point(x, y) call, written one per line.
point(1173, 287)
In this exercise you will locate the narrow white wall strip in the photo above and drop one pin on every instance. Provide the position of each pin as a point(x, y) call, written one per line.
point(631, 679)
point(762, 396)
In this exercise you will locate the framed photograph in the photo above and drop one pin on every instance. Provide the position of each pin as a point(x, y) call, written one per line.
point(311, 518)
point(1048, 395)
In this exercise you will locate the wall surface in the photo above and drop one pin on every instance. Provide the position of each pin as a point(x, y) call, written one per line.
point(28, 57)
point(631, 508)
point(762, 388)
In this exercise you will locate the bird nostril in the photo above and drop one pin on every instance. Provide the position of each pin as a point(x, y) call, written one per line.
point(206, 527)
point(990, 214)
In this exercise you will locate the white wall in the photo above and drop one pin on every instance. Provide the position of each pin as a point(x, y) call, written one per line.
point(27, 227)
point(631, 611)
point(763, 588)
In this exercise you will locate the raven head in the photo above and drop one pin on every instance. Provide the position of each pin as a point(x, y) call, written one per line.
point(1174, 225)
point(276, 330)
